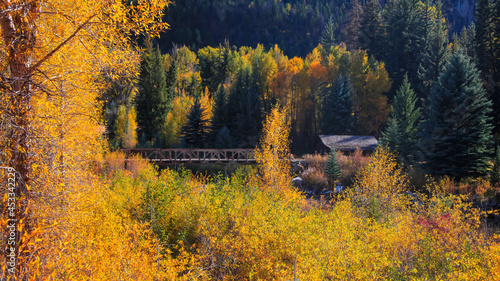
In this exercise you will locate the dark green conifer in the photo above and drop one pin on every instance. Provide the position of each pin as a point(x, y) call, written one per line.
point(338, 108)
point(401, 134)
point(152, 100)
point(219, 118)
point(485, 37)
point(171, 82)
point(466, 42)
point(332, 166)
point(224, 139)
point(195, 130)
point(244, 109)
point(457, 138)
point(328, 35)
point(371, 31)
point(435, 54)
point(404, 38)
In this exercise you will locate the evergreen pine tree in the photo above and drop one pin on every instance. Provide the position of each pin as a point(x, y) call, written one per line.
point(404, 38)
point(487, 19)
point(466, 42)
point(332, 170)
point(194, 131)
point(219, 117)
point(457, 139)
point(152, 100)
point(224, 139)
point(328, 35)
point(371, 31)
point(171, 82)
point(244, 109)
point(338, 108)
point(401, 134)
point(485, 37)
point(495, 174)
point(435, 54)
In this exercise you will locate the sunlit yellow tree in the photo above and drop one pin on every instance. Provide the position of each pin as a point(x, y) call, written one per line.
point(274, 150)
point(52, 55)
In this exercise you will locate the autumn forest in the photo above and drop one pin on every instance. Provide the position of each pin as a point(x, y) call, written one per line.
point(84, 82)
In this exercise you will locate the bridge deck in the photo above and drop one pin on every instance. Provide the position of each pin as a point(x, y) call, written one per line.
point(176, 156)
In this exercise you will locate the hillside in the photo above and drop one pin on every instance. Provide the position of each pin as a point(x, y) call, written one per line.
point(295, 25)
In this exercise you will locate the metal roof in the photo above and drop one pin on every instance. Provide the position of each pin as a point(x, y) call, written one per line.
point(346, 142)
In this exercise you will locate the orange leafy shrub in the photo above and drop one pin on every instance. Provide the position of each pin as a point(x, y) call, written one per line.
point(315, 179)
point(350, 164)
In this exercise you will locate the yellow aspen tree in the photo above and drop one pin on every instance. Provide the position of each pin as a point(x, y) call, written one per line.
point(52, 55)
point(274, 151)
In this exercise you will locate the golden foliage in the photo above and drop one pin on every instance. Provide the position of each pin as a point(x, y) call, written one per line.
point(176, 118)
point(381, 181)
point(49, 98)
point(232, 229)
point(126, 126)
point(274, 150)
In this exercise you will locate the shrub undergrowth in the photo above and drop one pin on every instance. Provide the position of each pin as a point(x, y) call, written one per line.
point(234, 229)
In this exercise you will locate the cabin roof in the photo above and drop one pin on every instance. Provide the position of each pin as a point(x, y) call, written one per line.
point(349, 143)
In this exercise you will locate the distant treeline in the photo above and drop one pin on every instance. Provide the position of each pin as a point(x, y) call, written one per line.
point(295, 25)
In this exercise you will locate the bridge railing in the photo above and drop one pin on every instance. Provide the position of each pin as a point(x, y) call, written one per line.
point(193, 155)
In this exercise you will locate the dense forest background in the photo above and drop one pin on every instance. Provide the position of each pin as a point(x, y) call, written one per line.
point(295, 25)
point(210, 79)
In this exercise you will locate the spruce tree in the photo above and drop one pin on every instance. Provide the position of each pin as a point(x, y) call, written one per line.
point(404, 38)
point(332, 170)
point(338, 108)
point(401, 134)
point(152, 100)
point(371, 31)
point(194, 131)
point(244, 109)
point(224, 139)
point(219, 118)
point(435, 54)
point(171, 81)
point(485, 37)
point(457, 138)
point(466, 42)
point(328, 35)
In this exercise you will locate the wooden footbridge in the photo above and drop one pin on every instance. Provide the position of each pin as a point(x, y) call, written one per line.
point(207, 156)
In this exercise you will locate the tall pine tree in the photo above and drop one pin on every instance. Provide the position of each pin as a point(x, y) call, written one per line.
point(244, 108)
point(435, 53)
point(152, 100)
point(171, 81)
point(484, 19)
point(194, 132)
point(338, 108)
point(401, 134)
point(371, 32)
point(457, 138)
point(328, 35)
point(220, 119)
point(487, 20)
point(404, 38)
